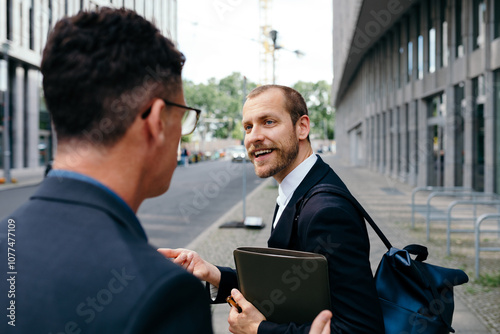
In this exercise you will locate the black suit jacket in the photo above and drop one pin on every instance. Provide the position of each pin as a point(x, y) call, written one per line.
point(331, 226)
point(84, 266)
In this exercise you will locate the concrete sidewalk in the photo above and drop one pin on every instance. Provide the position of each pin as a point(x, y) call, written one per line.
point(477, 308)
point(23, 177)
point(387, 201)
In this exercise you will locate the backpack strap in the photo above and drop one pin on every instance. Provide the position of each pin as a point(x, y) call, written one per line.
point(329, 188)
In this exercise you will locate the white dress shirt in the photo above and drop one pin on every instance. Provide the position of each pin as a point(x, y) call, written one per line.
point(290, 183)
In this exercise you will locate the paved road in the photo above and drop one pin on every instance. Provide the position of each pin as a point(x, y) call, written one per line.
point(198, 195)
point(11, 199)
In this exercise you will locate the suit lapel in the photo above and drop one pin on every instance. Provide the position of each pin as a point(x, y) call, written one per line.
point(282, 234)
point(274, 216)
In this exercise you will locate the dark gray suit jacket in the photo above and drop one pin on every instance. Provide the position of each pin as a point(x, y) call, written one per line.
point(84, 266)
point(331, 226)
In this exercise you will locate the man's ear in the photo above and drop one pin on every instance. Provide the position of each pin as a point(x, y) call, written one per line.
point(303, 127)
point(154, 122)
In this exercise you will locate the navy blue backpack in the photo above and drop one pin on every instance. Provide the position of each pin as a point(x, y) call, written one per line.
point(416, 297)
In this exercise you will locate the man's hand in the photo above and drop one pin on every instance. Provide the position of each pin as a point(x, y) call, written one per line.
point(193, 263)
point(246, 322)
point(321, 324)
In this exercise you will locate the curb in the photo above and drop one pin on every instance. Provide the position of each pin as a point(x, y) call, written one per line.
point(19, 185)
point(193, 244)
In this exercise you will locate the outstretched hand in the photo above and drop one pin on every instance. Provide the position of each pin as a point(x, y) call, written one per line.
point(193, 263)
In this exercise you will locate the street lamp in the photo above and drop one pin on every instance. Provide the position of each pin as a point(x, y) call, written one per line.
point(273, 34)
point(4, 87)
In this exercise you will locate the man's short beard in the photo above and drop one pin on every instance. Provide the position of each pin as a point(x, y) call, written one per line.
point(285, 159)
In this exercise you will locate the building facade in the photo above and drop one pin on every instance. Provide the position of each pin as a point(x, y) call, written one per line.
point(24, 27)
point(417, 90)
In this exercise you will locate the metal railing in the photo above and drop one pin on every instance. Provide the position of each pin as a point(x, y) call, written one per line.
point(474, 204)
point(473, 196)
point(431, 189)
point(477, 231)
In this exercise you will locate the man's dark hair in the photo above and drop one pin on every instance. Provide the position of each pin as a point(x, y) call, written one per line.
point(294, 102)
point(100, 69)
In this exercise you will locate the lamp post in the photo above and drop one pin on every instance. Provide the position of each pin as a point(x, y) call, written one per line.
point(274, 36)
point(4, 87)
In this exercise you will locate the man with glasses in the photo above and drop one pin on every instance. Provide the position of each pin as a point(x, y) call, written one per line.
point(113, 86)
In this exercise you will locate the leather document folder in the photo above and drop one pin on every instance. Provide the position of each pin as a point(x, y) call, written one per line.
point(284, 285)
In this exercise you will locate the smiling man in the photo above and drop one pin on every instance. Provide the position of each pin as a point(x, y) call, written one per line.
point(276, 123)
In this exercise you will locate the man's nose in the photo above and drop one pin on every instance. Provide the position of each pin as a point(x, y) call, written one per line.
point(254, 136)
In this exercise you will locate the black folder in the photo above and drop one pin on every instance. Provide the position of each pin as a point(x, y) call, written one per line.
point(284, 285)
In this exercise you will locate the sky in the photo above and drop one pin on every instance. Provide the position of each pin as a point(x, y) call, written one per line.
point(219, 37)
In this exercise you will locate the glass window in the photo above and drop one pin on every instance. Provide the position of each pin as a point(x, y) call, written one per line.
point(9, 19)
point(31, 26)
point(444, 34)
point(409, 59)
point(390, 63)
point(459, 51)
point(420, 45)
point(401, 50)
point(497, 19)
point(459, 133)
point(435, 109)
point(479, 18)
point(496, 86)
point(432, 39)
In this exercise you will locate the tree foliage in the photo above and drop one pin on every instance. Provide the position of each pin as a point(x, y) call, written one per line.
point(222, 102)
point(317, 97)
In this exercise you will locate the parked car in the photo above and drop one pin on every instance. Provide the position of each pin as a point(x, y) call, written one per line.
point(237, 153)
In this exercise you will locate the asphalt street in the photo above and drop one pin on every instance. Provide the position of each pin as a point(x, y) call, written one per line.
point(11, 199)
point(199, 195)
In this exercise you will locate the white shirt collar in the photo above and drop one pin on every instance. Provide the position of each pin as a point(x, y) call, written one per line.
point(294, 178)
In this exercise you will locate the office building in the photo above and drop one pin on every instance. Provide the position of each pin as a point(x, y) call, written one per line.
point(24, 27)
point(417, 89)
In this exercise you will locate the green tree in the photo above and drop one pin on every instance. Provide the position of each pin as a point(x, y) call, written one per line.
point(221, 102)
point(317, 97)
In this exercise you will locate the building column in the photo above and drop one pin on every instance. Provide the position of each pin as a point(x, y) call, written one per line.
point(17, 115)
point(412, 144)
point(367, 139)
point(489, 105)
point(468, 134)
point(424, 146)
point(373, 144)
point(388, 143)
point(33, 118)
point(395, 130)
point(450, 128)
point(403, 152)
point(3, 18)
point(489, 134)
point(379, 141)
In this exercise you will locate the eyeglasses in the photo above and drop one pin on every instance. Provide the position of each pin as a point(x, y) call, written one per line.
point(189, 120)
